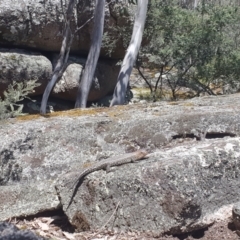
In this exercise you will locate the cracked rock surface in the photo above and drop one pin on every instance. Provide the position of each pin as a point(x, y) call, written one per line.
point(39, 24)
point(189, 181)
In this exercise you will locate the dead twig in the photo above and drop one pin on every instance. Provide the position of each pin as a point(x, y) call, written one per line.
point(104, 225)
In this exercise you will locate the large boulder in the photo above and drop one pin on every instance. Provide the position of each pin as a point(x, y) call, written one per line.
point(39, 24)
point(104, 81)
point(37, 27)
point(189, 181)
point(178, 190)
point(21, 65)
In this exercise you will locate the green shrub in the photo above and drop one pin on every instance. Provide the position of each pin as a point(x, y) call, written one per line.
point(193, 48)
point(16, 92)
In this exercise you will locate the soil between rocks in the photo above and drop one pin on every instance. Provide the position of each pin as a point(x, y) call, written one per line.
point(218, 231)
point(58, 227)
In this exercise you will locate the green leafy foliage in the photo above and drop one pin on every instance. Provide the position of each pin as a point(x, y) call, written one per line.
point(16, 92)
point(197, 48)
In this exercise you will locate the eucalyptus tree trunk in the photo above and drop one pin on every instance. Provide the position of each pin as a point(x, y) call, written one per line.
point(62, 59)
point(131, 55)
point(94, 52)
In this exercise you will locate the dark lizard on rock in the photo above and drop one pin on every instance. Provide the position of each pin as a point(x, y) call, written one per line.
point(107, 164)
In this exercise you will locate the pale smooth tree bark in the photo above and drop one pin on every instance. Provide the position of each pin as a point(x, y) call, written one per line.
point(93, 55)
point(63, 57)
point(131, 54)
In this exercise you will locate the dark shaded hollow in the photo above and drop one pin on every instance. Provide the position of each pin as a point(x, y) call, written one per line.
point(211, 135)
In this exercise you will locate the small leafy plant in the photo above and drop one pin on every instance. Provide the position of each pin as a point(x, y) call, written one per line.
point(16, 92)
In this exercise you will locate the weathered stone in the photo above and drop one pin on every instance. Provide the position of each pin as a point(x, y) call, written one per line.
point(104, 81)
point(39, 24)
point(26, 199)
point(20, 65)
point(176, 190)
point(190, 179)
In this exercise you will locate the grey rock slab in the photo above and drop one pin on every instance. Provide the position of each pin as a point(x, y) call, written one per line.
point(33, 155)
point(39, 24)
point(21, 65)
point(174, 191)
point(198, 175)
point(38, 151)
point(27, 199)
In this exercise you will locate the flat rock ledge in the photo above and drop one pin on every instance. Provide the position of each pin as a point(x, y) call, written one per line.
point(177, 190)
point(189, 180)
